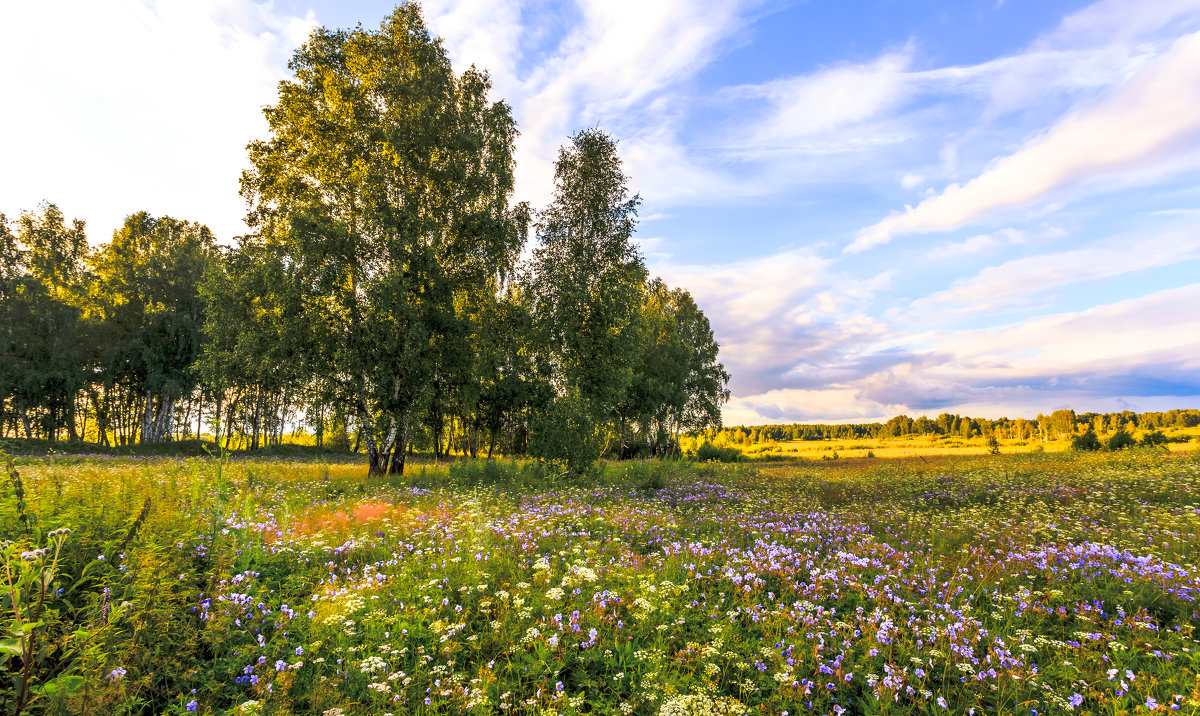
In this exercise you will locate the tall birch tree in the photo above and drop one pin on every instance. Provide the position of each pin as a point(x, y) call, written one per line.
point(385, 187)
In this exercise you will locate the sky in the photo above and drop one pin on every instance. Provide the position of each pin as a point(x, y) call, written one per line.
point(989, 208)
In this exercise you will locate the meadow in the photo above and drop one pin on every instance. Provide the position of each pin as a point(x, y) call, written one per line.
point(1016, 583)
point(1181, 440)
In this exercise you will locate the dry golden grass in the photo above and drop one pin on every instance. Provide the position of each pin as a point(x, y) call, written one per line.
point(930, 446)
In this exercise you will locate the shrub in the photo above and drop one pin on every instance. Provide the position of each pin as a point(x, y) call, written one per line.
point(708, 451)
point(1121, 440)
point(993, 445)
point(1087, 441)
point(657, 477)
point(1153, 438)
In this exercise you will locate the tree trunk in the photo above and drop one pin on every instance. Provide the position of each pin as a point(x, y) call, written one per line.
point(230, 412)
point(72, 432)
point(400, 449)
point(257, 419)
point(147, 418)
point(167, 427)
point(378, 455)
point(217, 417)
point(375, 460)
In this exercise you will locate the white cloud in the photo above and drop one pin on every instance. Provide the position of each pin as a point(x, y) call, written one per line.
point(1176, 212)
point(976, 245)
point(826, 101)
point(848, 120)
point(484, 33)
point(1024, 282)
point(116, 107)
point(612, 70)
point(1144, 351)
point(834, 405)
point(1153, 116)
point(776, 312)
point(1121, 21)
point(652, 249)
point(911, 181)
point(1131, 335)
point(662, 170)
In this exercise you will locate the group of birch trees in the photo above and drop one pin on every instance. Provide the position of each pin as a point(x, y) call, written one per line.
point(381, 297)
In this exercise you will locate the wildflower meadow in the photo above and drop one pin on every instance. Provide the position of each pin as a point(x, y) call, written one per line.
point(1026, 584)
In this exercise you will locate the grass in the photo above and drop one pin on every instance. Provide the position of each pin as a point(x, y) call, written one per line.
point(1019, 583)
point(178, 448)
point(1183, 440)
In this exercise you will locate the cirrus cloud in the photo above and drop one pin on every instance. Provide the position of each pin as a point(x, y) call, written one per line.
point(1151, 118)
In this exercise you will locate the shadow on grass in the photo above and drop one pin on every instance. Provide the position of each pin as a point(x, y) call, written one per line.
point(24, 447)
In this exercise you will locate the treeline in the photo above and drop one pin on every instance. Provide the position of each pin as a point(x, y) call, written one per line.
point(1060, 424)
point(384, 297)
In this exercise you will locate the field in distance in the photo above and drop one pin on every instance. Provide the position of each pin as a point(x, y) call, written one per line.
point(1181, 440)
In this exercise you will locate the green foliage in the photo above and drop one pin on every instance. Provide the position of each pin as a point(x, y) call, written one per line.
point(677, 384)
point(42, 333)
point(993, 444)
point(34, 633)
point(37, 641)
point(1120, 440)
point(708, 451)
point(385, 189)
point(257, 348)
point(586, 285)
point(1153, 438)
point(1087, 442)
point(147, 313)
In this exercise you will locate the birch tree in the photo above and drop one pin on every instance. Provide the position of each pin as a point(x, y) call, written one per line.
point(385, 187)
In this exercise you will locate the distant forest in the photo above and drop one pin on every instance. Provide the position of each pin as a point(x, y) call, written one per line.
point(1058, 425)
point(384, 297)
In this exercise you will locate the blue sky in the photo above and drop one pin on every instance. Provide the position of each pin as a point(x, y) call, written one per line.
point(989, 208)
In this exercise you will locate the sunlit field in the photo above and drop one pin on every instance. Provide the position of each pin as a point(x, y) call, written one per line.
point(1034, 583)
point(1182, 440)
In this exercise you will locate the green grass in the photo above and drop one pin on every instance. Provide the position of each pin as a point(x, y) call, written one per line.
point(178, 448)
point(295, 585)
